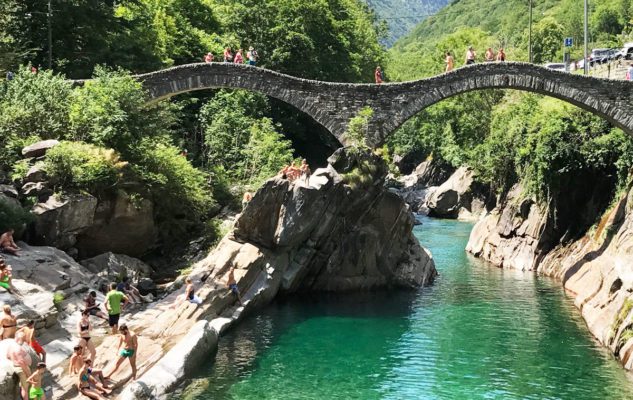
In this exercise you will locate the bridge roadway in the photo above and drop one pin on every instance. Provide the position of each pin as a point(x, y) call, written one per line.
point(333, 104)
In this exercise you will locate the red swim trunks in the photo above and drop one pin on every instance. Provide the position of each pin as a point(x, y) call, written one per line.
point(37, 347)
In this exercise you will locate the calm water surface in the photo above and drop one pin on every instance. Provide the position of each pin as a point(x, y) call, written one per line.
point(478, 333)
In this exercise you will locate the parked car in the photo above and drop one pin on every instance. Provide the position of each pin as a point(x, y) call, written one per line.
point(555, 66)
point(599, 56)
point(626, 52)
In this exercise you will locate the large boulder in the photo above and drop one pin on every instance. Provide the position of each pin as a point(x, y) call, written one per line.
point(35, 174)
point(39, 149)
point(60, 219)
point(110, 266)
point(459, 197)
point(121, 225)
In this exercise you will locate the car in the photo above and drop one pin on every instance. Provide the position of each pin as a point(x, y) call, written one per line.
point(626, 52)
point(555, 66)
point(599, 56)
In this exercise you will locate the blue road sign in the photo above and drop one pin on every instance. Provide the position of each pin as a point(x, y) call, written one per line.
point(569, 42)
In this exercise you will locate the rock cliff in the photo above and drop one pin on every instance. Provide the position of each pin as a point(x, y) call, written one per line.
point(596, 268)
point(340, 231)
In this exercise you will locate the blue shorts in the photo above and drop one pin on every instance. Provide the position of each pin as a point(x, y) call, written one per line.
point(234, 289)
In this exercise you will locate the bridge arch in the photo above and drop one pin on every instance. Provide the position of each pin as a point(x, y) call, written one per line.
point(333, 104)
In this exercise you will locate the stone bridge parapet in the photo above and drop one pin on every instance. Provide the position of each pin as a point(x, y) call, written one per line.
point(333, 104)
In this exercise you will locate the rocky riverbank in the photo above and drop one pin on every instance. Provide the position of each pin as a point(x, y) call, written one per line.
point(596, 267)
point(341, 231)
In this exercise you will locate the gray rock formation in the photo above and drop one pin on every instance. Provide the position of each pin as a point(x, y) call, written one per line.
point(39, 149)
point(458, 197)
point(59, 220)
point(596, 269)
point(121, 225)
point(110, 265)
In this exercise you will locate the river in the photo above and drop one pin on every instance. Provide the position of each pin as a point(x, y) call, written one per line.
point(478, 333)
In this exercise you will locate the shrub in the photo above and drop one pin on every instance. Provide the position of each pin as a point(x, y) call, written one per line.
point(180, 192)
point(81, 166)
point(356, 132)
point(12, 216)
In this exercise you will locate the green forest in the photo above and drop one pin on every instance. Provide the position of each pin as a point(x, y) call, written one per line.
point(197, 153)
point(507, 136)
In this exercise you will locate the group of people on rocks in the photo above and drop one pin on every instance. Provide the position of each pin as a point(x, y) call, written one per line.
point(293, 172)
point(90, 382)
point(30, 381)
point(237, 58)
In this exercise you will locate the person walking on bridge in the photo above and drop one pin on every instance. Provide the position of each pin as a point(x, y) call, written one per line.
point(378, 75)
point(228, 56)
point(471, 56)
point(501, 55)
point(239, 59)
point(450, 63)
point(252, 56)
point(490, 55)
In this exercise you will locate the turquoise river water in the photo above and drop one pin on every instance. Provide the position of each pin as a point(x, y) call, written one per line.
point(478, 333)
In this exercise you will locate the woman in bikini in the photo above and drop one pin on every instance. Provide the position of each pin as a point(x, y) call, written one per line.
point(5, 277)
point(86, 381)
point(9, 323)
point(83, 329)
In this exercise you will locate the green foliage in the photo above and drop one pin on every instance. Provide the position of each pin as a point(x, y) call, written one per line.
point(81, 166)
point(12, 216)
point(548, 34)
point(356, 132)
point(33, 105)
point(392, 12)
point(110, 111)
point(180, 192)
point(265, 154)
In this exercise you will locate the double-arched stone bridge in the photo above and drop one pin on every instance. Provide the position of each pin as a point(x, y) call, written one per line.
point(334, 104)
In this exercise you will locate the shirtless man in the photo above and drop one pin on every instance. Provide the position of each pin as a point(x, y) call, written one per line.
point(129, 350)
point(490, 55)
point(9, 323)
point(7, 244)
point(76, 360)
point(231, 283)
point(471, 56)
point(21, 362)
point(29, 337)
point(35, 380)
point(450, 63)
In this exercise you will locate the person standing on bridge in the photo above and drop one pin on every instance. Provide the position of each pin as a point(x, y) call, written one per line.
point(501, 55)
point(490, 55)
point(252, 56)
point(471, 56)
point(629, 73)
point(378, 75)
point(238, 57)
point(208, 58)
point(450, 63)
point(228, 56)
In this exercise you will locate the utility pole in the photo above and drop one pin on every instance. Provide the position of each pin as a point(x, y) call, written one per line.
point(50, 35)
point(530, 35)
point(586, 52)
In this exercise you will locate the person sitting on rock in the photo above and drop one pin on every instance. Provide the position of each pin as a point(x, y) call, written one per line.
point(92, 307)
point(29, 337)
point(36, 391)
point(231, 283)
point(7, 244)
point(88, 385)
point(9, 323)
point(130, 291)
point(189, 295)
point(21, 362)
point(83, 330)
point(6, 277)
point(130, 348)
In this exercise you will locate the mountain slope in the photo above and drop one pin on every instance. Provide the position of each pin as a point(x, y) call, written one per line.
point(402, 15)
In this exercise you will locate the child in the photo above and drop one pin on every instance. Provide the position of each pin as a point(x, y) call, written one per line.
point(35, 380)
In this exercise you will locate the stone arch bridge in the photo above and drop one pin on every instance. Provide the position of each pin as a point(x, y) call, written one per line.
point(333, 104)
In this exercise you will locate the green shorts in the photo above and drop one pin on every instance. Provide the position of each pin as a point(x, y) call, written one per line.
point(36, 393)
point(5, 285)
point(126, 353)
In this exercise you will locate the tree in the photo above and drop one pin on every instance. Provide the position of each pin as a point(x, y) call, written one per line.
point(547, 40)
